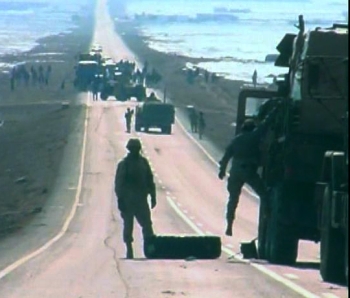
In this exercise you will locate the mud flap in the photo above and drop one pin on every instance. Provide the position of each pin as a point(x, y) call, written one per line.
point(182, 247)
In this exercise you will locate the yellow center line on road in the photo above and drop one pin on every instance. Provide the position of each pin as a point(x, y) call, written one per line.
point(10, 268)
point(293, 286)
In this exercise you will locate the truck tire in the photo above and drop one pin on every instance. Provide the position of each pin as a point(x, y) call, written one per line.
point(137, 127)
point(166, 130)
point(346, 261)
point(263, 240)
point(332, 267)
point(182, 247)
point(281, 240)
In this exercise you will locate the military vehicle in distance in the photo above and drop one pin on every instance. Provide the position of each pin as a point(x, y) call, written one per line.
point(155, 114)
point(122, 88)
point(304, 154)
point(118, 82)
point(85, 73)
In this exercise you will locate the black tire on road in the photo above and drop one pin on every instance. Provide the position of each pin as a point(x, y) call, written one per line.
point(166, 130)
point(282, 241)
point(182, 247)
point(332, 267)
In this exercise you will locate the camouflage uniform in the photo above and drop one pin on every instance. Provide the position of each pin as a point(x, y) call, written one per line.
point(133, 183)
point(244, 150)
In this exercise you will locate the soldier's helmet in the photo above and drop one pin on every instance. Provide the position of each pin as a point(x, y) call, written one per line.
point(248, 125)
point(134, 145)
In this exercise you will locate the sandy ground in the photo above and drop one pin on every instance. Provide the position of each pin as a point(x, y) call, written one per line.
point(34, 126)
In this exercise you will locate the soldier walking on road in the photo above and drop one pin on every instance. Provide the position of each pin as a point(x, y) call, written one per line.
point(133, 183)
point(244, 150)
point(128, 117)
point(201, 125)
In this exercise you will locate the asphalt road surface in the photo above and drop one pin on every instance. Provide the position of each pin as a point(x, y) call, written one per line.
point(75, 249)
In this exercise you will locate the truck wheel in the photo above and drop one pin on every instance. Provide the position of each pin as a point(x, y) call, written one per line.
point(137, 127)
point(346, 261)
point(282, 241)
point(347, 243)
point(167, 130)
point(263, 240)
point(332, 244)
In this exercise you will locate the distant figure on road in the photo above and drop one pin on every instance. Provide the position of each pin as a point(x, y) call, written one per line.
point(94, 88)
point(128, 117)
point(201, 125)
point(12, 79)
point(206, 76)
point(194, 120)
point(152, 97)
point(255, 78)
point(133, 183)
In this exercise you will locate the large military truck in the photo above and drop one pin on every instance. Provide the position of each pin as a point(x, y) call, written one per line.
point(85, 73)
point(300, 152)
point(118, 82)
point(155, 114)
point(333, 198)
point(122, 88)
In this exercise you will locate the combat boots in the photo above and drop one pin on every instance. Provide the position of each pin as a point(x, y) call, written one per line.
point(129, 251)
point(228, 231)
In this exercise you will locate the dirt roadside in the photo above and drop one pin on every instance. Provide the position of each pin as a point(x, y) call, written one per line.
point(36, 129)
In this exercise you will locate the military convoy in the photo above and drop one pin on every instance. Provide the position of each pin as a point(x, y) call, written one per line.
point(304, 158)
point(112, 79)
point(121, 84)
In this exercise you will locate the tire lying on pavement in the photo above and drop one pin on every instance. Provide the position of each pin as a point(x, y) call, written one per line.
point(182, 247)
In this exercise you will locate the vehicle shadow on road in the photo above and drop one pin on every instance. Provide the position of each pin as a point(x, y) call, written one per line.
point(154, 132)
point(307, 265)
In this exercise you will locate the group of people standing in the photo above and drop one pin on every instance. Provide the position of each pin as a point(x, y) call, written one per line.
point(34, 76)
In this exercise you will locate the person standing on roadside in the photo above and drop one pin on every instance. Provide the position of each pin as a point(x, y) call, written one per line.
point(255, 78)
point(201, 125)
point(128, 118)
point(194, 120)
point(133, 184)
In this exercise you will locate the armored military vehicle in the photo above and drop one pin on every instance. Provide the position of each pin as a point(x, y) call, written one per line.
point(155, 114)
point(85, 73)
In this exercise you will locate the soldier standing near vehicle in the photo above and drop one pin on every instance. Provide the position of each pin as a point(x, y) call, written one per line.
point(133, 183)
point(194, 120)
point(201, 125)
point(244, 150)
point(128, 117)
point(94, 88)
